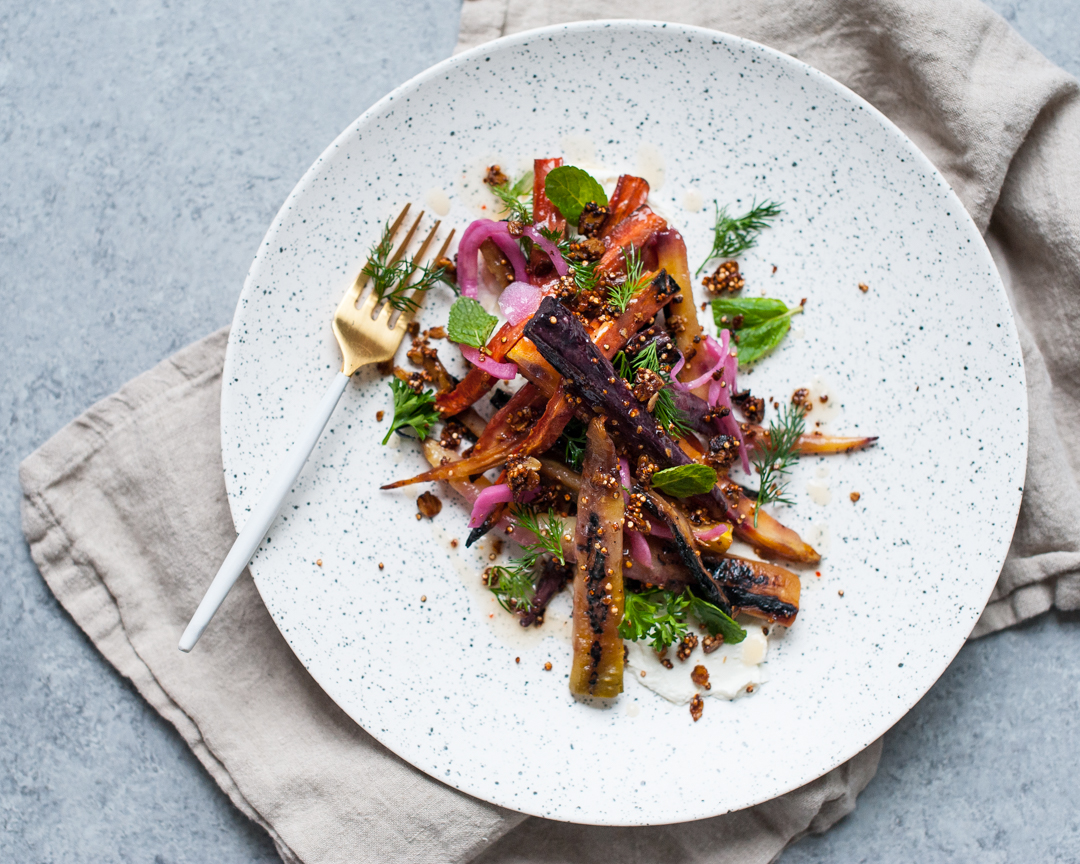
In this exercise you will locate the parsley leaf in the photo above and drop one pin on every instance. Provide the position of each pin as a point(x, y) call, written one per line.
point(657, 616)
point(759, 323)
point(683, 481)
point(570, 189)
point(470, 323)
point(733, 235)
point(660, 617)
point(411, 409)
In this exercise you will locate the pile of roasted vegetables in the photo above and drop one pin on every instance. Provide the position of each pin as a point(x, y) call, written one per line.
point(613, 457)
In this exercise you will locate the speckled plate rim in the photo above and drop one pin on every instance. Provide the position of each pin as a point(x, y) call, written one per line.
point(1019, 453)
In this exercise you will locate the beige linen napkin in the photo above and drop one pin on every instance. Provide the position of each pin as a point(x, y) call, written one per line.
point(126, 516)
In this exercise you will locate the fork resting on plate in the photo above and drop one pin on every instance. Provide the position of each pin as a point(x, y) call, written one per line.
point(365, 335)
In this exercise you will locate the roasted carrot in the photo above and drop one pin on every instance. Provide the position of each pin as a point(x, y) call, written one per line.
point(597, 668)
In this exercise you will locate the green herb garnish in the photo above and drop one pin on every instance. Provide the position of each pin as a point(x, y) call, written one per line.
point(387, 278)
point(469, 323)
point(570, 189)
point(776, 455)
point(759, 323)
point(716, 620)
point(665, 411)
point(682, 481)
point(733, 235)
point(583, 272)
point(390, 281)
point(621, 293)
point(514, 584)
point(411, 409)
point(573, 442)
point(511, 194)
point(660, 617)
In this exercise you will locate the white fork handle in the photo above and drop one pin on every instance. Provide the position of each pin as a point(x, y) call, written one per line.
point(263, 516)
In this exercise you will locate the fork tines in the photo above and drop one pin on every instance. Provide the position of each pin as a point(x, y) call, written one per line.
point(392, 277)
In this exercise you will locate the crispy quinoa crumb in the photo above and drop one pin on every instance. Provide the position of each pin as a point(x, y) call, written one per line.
point(495, 176)
point(854, 496)
point(429, 505)
point(700, 676)
point(686, 647)
point(379, 416)
point(697, 706)
point(725, 278)
point(864, 287)
point(711, 643)
point(547, 666)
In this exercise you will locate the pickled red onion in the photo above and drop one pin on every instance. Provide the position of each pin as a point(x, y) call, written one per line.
point(550, 249)
point(505, 371)
point(487, 500)
point(639, 548)
point(469, 248)
point(519, 300)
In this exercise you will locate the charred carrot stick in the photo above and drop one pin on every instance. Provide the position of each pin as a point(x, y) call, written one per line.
point(477, 382)
point(630, 193)
point(545, 215)
point(671, 256)
point(635, 230)
point(495, 445)
point(756, 588)
point(769, 537)
point(597, 667)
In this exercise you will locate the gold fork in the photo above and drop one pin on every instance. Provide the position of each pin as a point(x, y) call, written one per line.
point(365, 335)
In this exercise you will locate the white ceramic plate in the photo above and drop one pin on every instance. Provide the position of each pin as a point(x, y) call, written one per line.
point(928, 359)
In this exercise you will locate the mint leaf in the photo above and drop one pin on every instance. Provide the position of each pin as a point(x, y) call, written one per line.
point(759, 323)
point(685, 480)
point(411, 409)
point(470, 323)
point(570, 189)
point(716, 620)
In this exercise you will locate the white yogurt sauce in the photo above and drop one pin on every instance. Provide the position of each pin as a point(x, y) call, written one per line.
point(818, 487)
point(825, 412)
point(734, 670)
point(693, 200)
point(819, 537)
point(437, 201)
point(650, 165)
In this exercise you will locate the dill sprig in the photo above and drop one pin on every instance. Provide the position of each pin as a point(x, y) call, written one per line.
point(547, 529)
point(777, 455)
point(620, 293)
point(665, 411)
point(386, 277)
point(582, 272)
point(510, 196)
point(733, 235)
point(390, 281)
point(514, 584)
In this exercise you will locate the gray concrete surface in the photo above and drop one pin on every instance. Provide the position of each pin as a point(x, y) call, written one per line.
point(144, 147)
